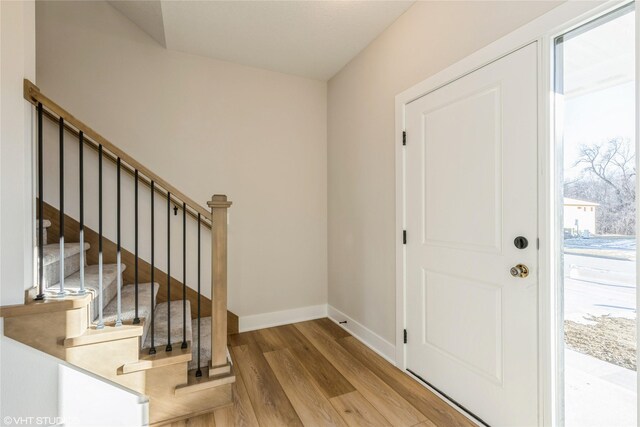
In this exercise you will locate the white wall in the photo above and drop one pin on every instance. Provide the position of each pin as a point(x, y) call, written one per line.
point(17, 61)
point(426, 39)
point(101, 403)
point(29, 381)
point(28, 378)
point(207, 127)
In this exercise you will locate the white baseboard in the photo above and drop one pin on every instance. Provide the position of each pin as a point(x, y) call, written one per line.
point(372, 340)
point(284, 317)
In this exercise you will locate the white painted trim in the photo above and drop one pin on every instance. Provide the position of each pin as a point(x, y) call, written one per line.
point(637, 188)
point(284, 317)
point(369, 338)
point(541, 30)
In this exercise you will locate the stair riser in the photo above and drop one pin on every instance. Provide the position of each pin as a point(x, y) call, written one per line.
point(52, 271)
point(165, 405)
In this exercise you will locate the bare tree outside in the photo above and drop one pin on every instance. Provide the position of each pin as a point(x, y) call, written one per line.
point(607, 176)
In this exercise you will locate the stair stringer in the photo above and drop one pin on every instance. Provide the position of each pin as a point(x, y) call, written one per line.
point(49, 325)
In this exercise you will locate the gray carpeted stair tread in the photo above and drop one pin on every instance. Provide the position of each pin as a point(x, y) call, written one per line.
point(51, 252)
point(160, 325)
point(205, 343)
point(129, 305)
point(51, 258)
point(45, 224)
point(109, 284)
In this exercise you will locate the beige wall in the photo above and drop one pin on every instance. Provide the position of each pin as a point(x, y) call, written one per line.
point(208, 127)
point(17, 61)
point(38, 395)
point(426, 39)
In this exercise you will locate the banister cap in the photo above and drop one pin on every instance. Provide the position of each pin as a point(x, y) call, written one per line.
point(219, 201)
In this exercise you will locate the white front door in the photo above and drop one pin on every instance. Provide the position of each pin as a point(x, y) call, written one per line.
point(471, 190)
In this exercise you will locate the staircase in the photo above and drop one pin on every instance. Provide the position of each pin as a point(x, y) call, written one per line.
point(85, 313)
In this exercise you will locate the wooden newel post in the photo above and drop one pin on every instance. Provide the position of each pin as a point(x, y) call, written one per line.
point(219, 363)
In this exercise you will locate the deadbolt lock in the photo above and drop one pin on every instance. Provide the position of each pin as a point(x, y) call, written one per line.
point(520, 270)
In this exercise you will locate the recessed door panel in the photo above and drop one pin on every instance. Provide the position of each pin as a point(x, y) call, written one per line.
point(473, 199)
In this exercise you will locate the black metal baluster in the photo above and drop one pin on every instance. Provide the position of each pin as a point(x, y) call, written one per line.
point(100, 296)
point(184, 275)
point(136, 319)
point(82, 290)
point(40, 295)
point(199, 371)
point(118, 251)
point(168, 348)
point(60, 292)
point(152, 350)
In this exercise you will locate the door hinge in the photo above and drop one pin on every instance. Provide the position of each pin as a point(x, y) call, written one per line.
point(404, 237)
point(405, 336)
point(538, 243)
point(404, 137)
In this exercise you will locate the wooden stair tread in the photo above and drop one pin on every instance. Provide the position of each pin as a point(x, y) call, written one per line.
point(46, 306)
point(161, 358)
point(108, 333)
point(204, 382)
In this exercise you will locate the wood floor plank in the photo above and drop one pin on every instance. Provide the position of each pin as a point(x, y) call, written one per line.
point(268, 340)
point(432, 406)
point(325, 375)
point(332, 328)
point(307, 399)
point(357, 411)
point(290, 336)
point(426, 423)
point(270, 403)
point(241, 413)
point(204, 420)
point(235, 340)
point(278, 338)
point(389, 403)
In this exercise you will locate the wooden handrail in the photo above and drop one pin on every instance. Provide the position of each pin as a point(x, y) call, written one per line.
point(33, 95)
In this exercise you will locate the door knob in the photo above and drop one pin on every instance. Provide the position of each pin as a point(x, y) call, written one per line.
point(520, 270)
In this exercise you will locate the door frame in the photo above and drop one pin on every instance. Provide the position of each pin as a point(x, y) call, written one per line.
point(542, 31)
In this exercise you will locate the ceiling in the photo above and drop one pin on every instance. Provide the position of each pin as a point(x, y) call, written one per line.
point(600, 58)
point(307, 38)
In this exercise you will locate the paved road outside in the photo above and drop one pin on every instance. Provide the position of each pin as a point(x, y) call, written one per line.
point(598, 286)
point(598, 393)
point(623, 247)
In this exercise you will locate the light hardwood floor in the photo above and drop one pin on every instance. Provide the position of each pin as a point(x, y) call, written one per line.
point(316, 374)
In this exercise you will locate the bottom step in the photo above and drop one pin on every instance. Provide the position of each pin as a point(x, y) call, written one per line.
point(204, 382)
